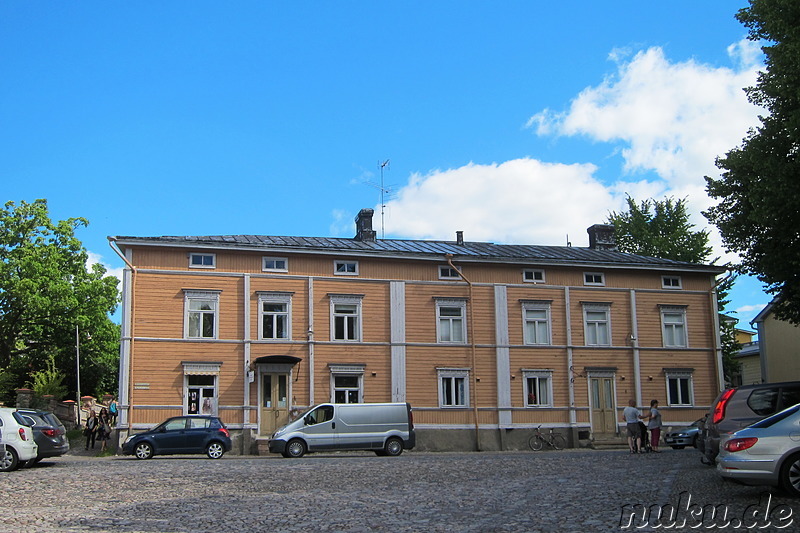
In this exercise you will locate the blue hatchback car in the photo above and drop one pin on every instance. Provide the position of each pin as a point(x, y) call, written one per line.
point(181, 435)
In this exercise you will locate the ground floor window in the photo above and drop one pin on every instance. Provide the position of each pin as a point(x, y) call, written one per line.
point(347, 383)
point(453, 387)
point(201, 395)
point(679, 388)
point(538, 388)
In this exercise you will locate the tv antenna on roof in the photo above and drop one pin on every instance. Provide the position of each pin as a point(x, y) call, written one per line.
point(384, 191)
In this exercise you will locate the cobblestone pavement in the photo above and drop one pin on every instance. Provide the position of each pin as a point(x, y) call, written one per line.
point(572, 490)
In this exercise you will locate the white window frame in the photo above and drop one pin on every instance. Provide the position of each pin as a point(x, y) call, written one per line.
point(356, 371)
point(343, 267)
point(446, 272)
point(533, 273)
point(213, 257)
point(594, 282)
point(671, 282)
point(206, 370)
point(589, 325)
point(271, 297)
point(346, 300)
point(190, 296)
point(461, 304)
point(453, 376)
point(536, 306)
point(276, 260)
point(679, 334)
point(538, 375)
point(680, 375)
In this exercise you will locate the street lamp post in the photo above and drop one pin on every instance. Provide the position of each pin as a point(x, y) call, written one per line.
point(78, 370)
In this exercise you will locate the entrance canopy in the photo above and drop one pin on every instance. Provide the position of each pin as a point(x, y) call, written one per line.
point(277, 360)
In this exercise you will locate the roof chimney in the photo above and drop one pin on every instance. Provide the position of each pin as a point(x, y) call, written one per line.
point(460, 238)
point(364, 231)
point(601, 237)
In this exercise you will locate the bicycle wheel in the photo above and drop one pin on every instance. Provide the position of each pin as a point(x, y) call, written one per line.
point(559, 442)
point(536, 443)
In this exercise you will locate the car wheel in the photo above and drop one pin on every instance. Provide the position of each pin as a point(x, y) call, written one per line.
point(296, 448)
point(393, 447)
point(790, 475)
point(8, 459)
point(215, 450)
point(143, 450)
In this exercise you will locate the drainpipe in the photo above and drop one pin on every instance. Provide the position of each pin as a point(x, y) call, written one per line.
point(712, 294)
point(471, 329)
point(127, 325)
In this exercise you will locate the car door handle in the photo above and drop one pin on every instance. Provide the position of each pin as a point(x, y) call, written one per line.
point(333, 425)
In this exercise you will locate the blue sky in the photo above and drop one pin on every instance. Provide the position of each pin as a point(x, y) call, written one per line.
point(511, 121)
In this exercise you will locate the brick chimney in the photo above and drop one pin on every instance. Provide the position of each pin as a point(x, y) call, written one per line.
point(364, 231)
point(601, 237)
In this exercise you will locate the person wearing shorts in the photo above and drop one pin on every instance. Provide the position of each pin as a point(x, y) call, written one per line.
point(632, 415)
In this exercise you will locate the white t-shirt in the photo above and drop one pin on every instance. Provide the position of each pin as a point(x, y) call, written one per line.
point(631, 414)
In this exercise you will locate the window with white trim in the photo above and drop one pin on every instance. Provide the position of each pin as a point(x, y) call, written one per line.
point(345, 317)
point(451, 324)
point(673, 327)
point(201, 313)
point(594, 278)
point(200, 388)
point(347, 383)
point(274, 264)
point(679, 388)
point(530, 275)
point(197, 260)
point(453, 387)
point(345, 268)
point(448, 272)
point(536, 317)
point(671, 282)
point(275, 313)
point(597, 324)
point(538, 388)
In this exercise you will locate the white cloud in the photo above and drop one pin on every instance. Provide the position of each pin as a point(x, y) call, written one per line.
point(110, 271)
point(668, 120)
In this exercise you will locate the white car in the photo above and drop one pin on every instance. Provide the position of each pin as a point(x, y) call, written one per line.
point(17, 446)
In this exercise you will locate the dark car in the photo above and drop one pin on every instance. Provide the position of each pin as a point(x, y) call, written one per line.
point(181, 434)
point(680, 438)
point(739, 407)
point(48, 433)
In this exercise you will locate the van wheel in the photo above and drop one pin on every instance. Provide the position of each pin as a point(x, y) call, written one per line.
point(393, 447)
point(296, 448)
point(8, 459)
point(790, 475)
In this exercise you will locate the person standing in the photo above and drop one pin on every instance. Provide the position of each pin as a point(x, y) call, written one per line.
point(654, 425)
point(91, 428)
point(632, 415)
point(103, 428)
point(112, 412)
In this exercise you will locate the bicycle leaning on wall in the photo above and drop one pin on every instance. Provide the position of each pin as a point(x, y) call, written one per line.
point(539, 439)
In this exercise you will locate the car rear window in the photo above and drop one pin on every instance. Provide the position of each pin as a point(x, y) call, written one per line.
point(790, 396)
point(763, 401)
point(20, 419)
point(774, 419)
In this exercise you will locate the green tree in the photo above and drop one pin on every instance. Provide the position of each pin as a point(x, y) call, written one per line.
point(662, 229)
point(758, 214)
point(659, 229)
point(46, 291)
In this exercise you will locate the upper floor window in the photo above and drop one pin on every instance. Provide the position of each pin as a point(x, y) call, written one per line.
point(679, 387)
point(275, 314)
point(538, 388)
point(594, 278)
point(275, 264)
point(345, 268)
point(671, 282)
point(201, 312)
point(533, 275)
point(453, 387)
point(345, 317)
point(202, 260)
point(451, 325)
point(673, 326)
point(597, 324)
point(448, 272)
point(536, 316)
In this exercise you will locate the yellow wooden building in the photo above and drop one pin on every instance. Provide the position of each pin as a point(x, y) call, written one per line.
point(485, 341)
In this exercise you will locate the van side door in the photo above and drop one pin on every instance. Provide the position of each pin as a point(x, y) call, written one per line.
point(320, 429)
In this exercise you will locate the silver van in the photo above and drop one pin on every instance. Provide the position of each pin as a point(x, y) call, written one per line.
point(385, 428)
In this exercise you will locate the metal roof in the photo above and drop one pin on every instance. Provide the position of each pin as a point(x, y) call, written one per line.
point(421, 249)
